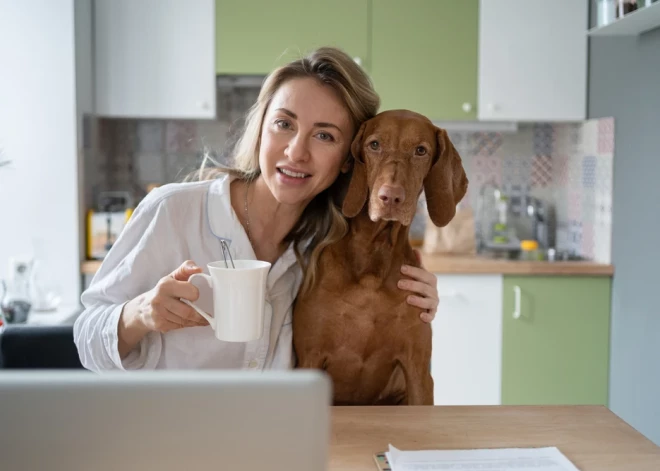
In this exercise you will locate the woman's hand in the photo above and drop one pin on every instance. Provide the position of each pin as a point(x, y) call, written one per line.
point(160, 309)
point(425, 287)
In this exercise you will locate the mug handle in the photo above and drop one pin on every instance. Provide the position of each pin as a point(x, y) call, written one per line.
point(201, 281)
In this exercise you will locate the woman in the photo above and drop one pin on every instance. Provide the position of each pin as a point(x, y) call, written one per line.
point(277, 205)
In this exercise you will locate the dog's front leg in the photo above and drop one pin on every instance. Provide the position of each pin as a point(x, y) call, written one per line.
point(419, 384)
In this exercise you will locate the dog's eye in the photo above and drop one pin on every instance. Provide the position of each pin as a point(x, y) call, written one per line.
point(421, 150)
point(374, 145)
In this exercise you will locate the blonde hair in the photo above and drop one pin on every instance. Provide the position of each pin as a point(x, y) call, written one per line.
point(322, 222)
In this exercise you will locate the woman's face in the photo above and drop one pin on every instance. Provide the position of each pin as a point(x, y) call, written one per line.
point(305, 138)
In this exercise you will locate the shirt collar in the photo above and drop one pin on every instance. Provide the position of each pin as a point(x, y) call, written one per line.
point(219, 209)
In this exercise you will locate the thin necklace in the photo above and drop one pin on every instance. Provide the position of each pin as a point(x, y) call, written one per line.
point(247, 213)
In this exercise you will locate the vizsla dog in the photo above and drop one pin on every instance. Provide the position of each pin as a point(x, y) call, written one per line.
point(355, 322)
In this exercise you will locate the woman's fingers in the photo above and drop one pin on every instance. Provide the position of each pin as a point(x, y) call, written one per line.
point(183, 314)
point(424, 286)
point(419, 274)
point(185, 271)
point(418, 287)
point(425, 303)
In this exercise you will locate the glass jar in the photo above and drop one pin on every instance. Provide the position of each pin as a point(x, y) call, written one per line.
point(606, 11)
point(529, 250)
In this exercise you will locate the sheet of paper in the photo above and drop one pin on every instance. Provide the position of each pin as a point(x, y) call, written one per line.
point(499, 459)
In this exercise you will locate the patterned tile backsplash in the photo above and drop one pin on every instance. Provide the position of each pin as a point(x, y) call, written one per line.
point(567, 165)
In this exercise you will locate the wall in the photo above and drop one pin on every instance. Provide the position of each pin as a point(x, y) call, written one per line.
point(567, 165)
point(38, 192)
point(624, 74)
point(131, 154)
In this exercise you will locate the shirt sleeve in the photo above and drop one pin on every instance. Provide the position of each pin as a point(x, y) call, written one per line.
point(133, 266)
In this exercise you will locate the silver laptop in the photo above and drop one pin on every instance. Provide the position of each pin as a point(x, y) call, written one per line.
point(162, 421)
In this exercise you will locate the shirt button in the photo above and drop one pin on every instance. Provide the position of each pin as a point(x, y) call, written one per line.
point(253, 364)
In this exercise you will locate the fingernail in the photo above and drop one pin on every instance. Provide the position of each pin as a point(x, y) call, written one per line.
point(404, 268)
point(401, 284)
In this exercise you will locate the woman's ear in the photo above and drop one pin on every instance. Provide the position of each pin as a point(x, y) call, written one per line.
point(356, 195)
point(446, 183)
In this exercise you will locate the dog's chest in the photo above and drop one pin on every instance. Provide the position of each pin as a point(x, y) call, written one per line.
point(365, 310)
point(363, 298)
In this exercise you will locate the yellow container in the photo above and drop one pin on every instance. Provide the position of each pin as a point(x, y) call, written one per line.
point(529, 250)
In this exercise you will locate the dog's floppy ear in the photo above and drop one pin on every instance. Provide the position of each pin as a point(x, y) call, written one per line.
point(356, 196)
point(446, 183)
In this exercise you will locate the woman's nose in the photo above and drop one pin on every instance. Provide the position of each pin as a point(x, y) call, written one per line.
point(297, 150)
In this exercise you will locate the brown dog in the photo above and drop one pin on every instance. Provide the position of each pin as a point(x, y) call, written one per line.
point(355, 322)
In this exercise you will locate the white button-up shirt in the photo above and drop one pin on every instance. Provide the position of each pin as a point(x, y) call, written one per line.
point(175, 223)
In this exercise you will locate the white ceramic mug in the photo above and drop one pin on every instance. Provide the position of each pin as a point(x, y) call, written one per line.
point(236, 297)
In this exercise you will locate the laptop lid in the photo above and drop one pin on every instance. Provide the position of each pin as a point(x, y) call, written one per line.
point(161, 421)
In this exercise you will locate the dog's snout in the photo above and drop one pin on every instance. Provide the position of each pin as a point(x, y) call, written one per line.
point(392, 194)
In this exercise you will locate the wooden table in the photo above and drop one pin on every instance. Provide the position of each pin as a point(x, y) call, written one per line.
point(592, 437)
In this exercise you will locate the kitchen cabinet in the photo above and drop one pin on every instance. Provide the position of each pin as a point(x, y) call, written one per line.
point(255, 36)
point(424, 56)
point(492, 60)
point(517, 340)
point(532, 60)
point(467, 340)
point(155, 58)
point(555, 340)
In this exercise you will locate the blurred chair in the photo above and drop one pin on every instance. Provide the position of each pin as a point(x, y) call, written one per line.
point(38, 347)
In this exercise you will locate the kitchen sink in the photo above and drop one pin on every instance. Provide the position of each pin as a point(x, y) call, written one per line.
point(545, 255)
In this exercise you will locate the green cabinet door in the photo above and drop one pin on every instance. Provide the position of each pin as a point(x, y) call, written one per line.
point(557, 351)
point(255, 36)
point(424, 56)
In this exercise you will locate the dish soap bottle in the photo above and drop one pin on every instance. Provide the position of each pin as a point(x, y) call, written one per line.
point(501, 228)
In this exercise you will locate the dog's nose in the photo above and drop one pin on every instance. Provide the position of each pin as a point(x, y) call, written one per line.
point(392, 194)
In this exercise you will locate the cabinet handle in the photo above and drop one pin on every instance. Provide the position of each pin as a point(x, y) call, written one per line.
point(203, 105)
point(516, 308)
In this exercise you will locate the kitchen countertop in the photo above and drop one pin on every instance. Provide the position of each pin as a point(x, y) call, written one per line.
point(465, 264)
point(63, 315)
point(455, 264)
point(90, 267)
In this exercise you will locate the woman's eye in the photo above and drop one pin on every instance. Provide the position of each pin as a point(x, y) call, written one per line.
point(420, 150)
point(283, 124)
point(324, 136)
point(374, 145)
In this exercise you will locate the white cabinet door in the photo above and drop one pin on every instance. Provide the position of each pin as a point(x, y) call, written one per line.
point(155, 58)
point(466, 363)
point(532, 60)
